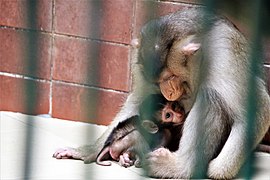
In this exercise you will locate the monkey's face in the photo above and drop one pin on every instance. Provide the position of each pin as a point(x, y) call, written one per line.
point(175, 80)
point(168, 66)
point(172, 112)
point(166, 60)
point(182, 65)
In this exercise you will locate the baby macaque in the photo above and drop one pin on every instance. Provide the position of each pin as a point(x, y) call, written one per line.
point(158, 119)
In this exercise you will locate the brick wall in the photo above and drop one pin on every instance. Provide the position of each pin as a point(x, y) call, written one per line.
point(83, 65)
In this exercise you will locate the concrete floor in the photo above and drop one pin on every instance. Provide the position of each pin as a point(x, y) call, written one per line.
point(50, 134)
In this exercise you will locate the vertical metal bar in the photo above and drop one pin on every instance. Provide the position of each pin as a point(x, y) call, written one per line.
point(201, 165)
point(95, 10)
point(255, 67)
point(151, 10)
point(31, 61)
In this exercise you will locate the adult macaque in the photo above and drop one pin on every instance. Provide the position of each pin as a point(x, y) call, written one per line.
point(204, 61)
point(207, 72)
point(132, 138)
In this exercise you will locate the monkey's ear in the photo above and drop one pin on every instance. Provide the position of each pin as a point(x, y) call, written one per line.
point(190, 45)
point(135, 43)
point(191, 48)
point(150, 126)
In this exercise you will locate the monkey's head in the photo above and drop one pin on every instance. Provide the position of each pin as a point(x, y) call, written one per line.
point(157, 113)
point(166, 58)
point(152, 50)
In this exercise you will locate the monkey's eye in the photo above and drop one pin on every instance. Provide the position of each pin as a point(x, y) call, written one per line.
point(165, 79)
point(168, 115)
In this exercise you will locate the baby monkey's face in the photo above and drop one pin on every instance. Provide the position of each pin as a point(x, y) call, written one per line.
point(172, 112)
point(156, 113)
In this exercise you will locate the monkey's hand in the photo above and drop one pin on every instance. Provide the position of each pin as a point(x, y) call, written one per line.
point(67, 153)
point(161, 163)
point(86, 153)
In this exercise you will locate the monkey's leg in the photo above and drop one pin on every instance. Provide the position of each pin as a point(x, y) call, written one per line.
point(234, 148)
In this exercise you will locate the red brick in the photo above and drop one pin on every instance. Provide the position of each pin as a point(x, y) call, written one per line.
point(85, 104)
point(112, 20)
point(94, 63)
point(13, 53)
point(26, 96)
point(15, 13)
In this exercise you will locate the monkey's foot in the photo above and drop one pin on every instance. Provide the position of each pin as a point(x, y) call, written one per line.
point(125, 160)
point(218, 170)
point(67, 153)
point(162, 163)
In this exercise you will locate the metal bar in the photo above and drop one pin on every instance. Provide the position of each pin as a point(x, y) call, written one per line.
point(201, 166)
point(93, 63)
point(151, 12)
point(31, 61)
point(255, 71)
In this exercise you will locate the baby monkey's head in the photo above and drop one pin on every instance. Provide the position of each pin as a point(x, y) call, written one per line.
point(156, 113)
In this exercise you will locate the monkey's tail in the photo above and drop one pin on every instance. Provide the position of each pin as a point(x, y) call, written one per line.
point(263, 148)
point(101, 155)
